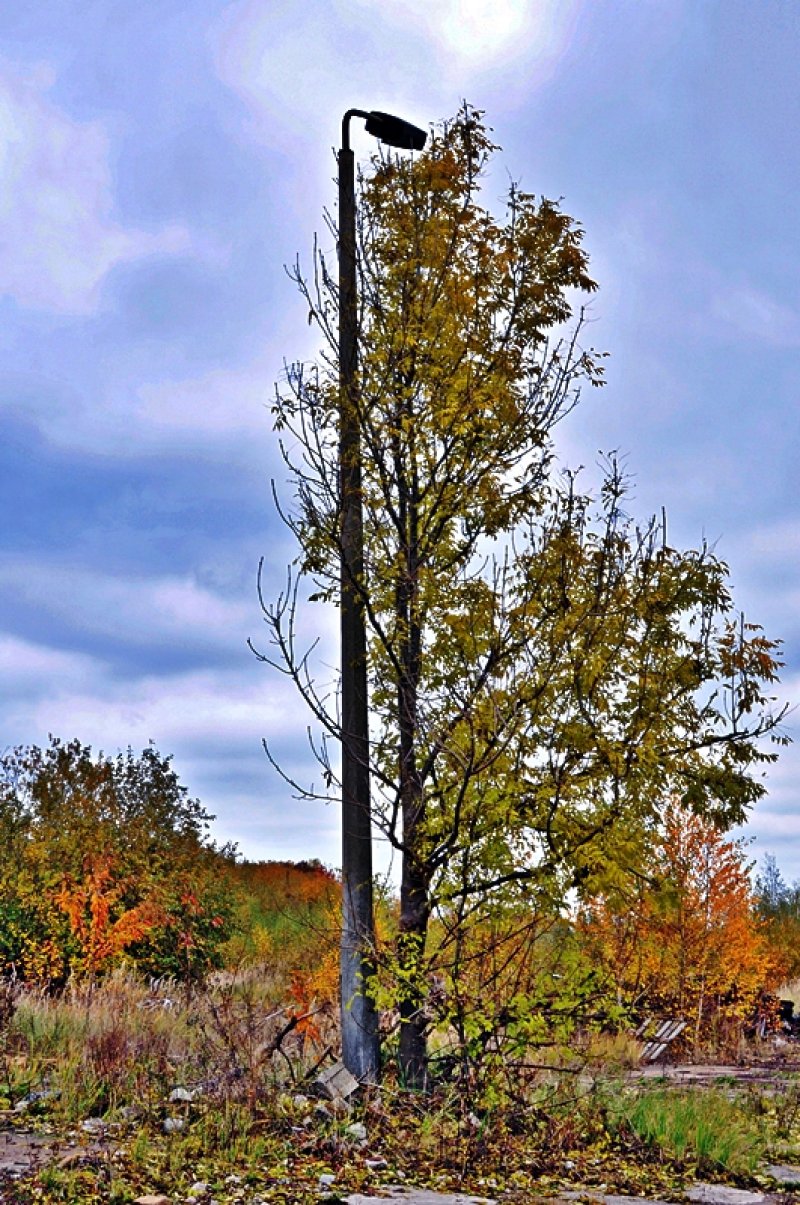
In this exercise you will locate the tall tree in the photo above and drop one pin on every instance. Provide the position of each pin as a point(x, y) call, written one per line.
point(537, 662)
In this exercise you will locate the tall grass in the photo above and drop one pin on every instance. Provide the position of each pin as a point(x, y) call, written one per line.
point(97, 1049)
point(119, 1048)
point(702, 1127)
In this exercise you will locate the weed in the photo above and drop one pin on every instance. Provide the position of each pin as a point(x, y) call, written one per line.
point(140, 1149)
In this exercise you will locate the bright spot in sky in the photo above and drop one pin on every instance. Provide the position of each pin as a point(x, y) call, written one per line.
point(476, 29)
point(480, 31)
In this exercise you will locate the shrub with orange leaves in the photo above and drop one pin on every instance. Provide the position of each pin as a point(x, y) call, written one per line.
point(688, 938)
point(304, 1006)
point(105, 859)
point(102, 926)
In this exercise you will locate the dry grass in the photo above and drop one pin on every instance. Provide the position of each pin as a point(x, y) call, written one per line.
point(118, 1050)
point(123, 1043)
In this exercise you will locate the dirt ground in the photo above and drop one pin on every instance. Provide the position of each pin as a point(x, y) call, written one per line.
point(23, 1152)
point(773, 1071)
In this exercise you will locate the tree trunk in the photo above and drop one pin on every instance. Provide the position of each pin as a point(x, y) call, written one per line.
point(698, 1024)
point(414, 915)
point(415, 882)
point(414, 907)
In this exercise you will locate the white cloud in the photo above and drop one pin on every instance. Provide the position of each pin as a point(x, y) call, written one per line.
point(299, 68)
point(186, 711)
point(224, 415)
point(148, 611)
point(219, 416)
point(751, 312)
point(58, 234)
point(781, 826)
point(294, 68)
point(475, 32)
point(31, 668)
point(212, 722)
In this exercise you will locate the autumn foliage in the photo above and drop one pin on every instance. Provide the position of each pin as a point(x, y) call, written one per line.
point(106, 863)
point(686, 938)
point(101, 929)
point(105, 860)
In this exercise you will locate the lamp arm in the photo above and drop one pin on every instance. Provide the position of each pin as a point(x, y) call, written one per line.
point(346, 125)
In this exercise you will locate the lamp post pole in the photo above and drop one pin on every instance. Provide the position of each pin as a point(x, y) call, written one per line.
point(360, 1046)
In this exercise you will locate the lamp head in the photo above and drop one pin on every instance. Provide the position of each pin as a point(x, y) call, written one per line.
point(395, 132)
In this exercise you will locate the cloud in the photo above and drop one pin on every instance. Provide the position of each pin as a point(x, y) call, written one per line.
point(753, 313)
point(144, 612)
point(201, 711)
point(29, 669)
point(212, 722)
point(774, 824)
point(475, 32)
point(299, 69)
point(130, 411)
point(59, 237)
point(293, 68)
point(221, 414)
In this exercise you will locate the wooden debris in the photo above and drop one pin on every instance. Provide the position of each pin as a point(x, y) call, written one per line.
point(656, 1042)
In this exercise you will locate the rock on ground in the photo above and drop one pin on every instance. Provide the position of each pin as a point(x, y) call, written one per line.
point(784, 1174)
point(720, 1194)
point(418, 1196)
point(700, 1194)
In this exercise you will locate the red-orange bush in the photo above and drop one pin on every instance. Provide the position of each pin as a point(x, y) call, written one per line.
point(687, 938)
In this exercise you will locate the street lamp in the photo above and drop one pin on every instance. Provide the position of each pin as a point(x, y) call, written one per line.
point(360, 1051)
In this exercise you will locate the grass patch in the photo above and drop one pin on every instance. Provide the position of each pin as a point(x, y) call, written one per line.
point(704, 1128)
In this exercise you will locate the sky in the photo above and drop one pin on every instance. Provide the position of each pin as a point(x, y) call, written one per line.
point(163, 161)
